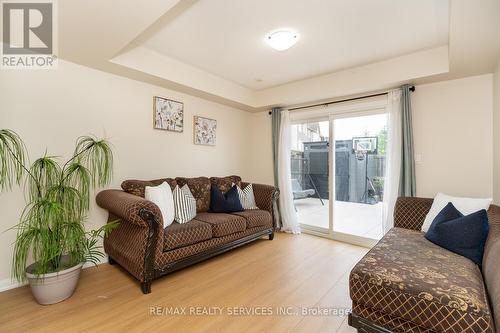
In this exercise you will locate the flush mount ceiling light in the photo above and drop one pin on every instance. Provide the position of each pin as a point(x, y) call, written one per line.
point(281, 40)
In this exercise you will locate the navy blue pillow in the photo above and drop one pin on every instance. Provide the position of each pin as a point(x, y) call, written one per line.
point(464, 235)
point(449, 212)
point(228, 202)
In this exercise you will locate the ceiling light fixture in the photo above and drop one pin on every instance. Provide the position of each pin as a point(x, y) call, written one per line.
point(281, 40)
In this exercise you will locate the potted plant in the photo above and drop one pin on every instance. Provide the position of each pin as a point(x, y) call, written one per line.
point(51, 228)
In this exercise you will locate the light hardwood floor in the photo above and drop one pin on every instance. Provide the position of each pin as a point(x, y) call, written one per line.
point(290, 272)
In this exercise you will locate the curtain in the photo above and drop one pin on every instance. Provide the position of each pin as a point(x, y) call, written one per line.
point(407, 185)
point(287, 210)
point(393, 155)
point(275, 123)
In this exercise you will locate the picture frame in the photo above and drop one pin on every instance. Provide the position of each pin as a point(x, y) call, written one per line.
point(204, 131)
point(168, 114)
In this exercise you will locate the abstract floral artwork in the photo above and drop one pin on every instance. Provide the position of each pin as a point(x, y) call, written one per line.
point(205, 130)
point(168, 114)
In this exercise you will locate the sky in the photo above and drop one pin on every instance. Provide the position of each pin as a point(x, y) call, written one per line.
point(347, 128)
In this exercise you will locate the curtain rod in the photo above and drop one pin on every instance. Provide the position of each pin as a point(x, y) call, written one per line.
point(412, 88)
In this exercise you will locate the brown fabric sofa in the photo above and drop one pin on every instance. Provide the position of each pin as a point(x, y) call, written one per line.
point(146, 250)
point(408, 284)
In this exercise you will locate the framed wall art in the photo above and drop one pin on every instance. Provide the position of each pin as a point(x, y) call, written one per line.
point(205, 131)
point(168, 114)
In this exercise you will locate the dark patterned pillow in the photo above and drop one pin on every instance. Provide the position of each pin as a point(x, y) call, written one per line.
point(225, 183)
point(137, 187)
point(200, 187)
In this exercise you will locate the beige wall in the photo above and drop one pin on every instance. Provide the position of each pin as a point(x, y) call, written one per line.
point(453, 132)
point(261, 165)
point(496, 134)
point(50, 109)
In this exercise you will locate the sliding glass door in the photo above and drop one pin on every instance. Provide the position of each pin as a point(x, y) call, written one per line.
point(338, 173)
point(360, 157)
point(310, 155)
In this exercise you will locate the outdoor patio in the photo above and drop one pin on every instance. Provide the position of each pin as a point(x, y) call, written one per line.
point(349, 217)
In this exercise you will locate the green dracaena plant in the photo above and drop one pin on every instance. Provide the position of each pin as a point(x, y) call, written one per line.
point(57, 201)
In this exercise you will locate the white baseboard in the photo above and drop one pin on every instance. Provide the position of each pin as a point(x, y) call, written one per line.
point(7, 284)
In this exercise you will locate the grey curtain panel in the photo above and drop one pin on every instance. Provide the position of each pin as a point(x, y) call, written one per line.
point(407, 183)
point(276, 123)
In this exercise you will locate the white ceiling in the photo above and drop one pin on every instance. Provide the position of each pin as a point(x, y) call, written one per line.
point(114, 43)
point(226, 37)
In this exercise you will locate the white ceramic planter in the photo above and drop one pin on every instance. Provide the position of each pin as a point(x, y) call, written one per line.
point(53, 287)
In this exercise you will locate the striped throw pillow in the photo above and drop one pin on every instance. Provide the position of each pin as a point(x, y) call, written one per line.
point(184, 203)
point(247, 198)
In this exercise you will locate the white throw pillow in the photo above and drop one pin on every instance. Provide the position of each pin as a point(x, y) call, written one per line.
point(185, 204)
point(247, 197)
point(161, 196)
point(466, 206)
